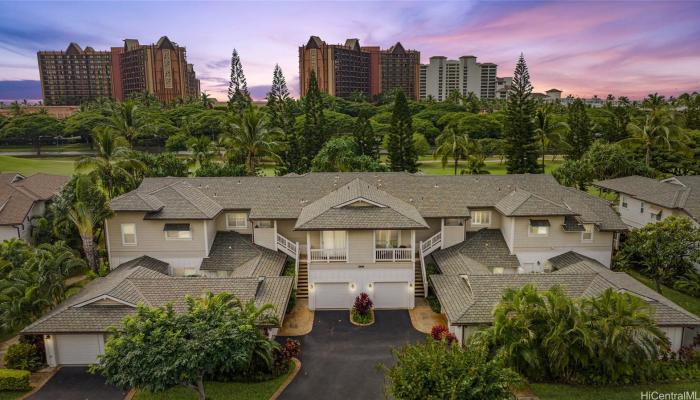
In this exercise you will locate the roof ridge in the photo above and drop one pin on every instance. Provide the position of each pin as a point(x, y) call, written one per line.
point(190, 201)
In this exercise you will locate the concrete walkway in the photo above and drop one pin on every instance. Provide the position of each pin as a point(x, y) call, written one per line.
point(423, 318)
point(299, 321)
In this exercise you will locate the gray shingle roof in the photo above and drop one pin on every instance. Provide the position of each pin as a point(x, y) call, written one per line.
point(135, 283)
point(521, 203)
point(18, 194)
point(477, 254)
point(359, 205)
point(236, 253)
point(470, 299)
point(679, 192)
point(284, 197)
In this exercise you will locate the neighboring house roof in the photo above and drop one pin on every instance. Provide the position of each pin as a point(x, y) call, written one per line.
point(471, 299)
point(18, 194)
point(678, 192)
point(521, 203)
point(104, 302)
point(233, 252)
point(284, 197)
point(477, 254)
point(359, 205)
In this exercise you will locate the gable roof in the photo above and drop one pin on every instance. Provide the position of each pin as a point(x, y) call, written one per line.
point(232, 252)
point(470, 299)
point(678, 192)
point(379, 209)
point(521, 203)
point(18, 194)
point(140, 281)
point(479, 253)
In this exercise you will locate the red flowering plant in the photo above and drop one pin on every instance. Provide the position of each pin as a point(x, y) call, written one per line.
point(361, 310)
point(440, 332)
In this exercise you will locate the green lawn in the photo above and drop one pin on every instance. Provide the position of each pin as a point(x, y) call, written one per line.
point(11, 395)
point(47, 148)
point(30, 166)
point(566, 392)
point(494, 168)
point(686, 301)
point(220, 391)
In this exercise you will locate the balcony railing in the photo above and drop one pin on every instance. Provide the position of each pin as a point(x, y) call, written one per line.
point(329, 255)
point(381, 255)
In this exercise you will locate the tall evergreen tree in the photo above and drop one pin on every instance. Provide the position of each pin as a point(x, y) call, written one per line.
point(277, 99)
point(521, 148)
point(367, 141)
point(402, 153)
point(238, 96)
point(313, 135)
point(579, 137)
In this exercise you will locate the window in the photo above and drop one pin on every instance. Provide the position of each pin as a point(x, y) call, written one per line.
point(538, 227)
point(481, 218)
point(333, 240)
point(641, 208)
point(587, 234)
point(623, 199)
point(237, 220)
point(129, 234)
point(453, 222)
point(264, 224)
point(498, 270)
point(387, 239)
point(177, 232)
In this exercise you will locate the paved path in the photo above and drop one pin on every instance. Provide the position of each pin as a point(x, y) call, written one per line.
point(75, 383)
point(339, 360)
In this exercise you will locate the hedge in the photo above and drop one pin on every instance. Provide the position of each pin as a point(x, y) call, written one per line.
point(14, 379)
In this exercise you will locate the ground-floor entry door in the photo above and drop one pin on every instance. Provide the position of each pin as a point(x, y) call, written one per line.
point(392, 295)
point(335, 295)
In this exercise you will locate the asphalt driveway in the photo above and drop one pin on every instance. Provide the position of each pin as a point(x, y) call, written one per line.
point(339, 360)
point(75, 383)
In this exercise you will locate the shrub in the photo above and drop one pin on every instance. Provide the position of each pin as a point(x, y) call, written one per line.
point(292, 301)
point(441, 332)
point(689, 283)
point(436, 370)
point(284, 354)
point(23, 356)
point(434, 303)
point(363, 304)
point(14, 380)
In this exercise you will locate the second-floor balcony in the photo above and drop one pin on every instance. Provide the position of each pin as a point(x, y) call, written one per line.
point(329, 255)
point(393, 254)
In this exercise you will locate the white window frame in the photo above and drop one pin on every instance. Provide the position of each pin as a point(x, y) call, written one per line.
point(245, 220)
point(498, 270)
point(124, 243)
point(335, 232)
point(641, 207)
point(398, 240)
point(178, 238)
point(530, 233)
point(479, 221)
point(583, 233)
point(623, 201)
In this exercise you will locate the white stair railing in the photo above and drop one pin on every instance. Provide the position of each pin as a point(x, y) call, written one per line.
point(423, 275)
point(433, 243)
point(291, 249)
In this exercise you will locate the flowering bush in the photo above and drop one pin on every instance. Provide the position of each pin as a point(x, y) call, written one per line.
point(363, 304)
point(284, 353)
point(440, 332)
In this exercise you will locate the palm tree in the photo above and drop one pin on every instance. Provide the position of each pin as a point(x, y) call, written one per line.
point(55, 262)
point(654, 101)
point(206, 100)
point(252, 134)
point(548, 132)
point(113, 163)
point(124, 120)
point(452, 143)
point(86, 220)
point(202, 150)
point(659, 129)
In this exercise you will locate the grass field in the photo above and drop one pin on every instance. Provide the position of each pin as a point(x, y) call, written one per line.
point(566, 392)
point(494, 168)
point(688, 302)
point(30, 166)
point(221, 390)
point(47, 148)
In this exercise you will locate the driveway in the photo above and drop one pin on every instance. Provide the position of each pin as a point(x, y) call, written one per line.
point(339, 360)
point(75, 383)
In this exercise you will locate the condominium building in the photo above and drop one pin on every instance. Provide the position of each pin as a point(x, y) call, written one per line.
point(441, 76)
point(503, 87)
point(75, 75)
point(347, 69)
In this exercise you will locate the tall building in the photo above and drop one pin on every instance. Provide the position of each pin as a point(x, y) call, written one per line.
point(347, 69)
point(75, 75)
point(503, 87)
point(441, 76)
point(159, 69)
point(400, 69)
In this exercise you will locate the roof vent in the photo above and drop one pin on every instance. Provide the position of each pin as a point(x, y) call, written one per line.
point(435, 186)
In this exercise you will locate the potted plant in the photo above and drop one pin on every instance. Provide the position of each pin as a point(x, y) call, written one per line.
point(362, 313)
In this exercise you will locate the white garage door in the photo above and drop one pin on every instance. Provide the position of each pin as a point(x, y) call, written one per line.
point(332, 295)
point(78, 349)
point(391, 295)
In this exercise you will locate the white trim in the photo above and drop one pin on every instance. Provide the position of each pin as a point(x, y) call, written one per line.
point(355, 200)
point(229, 227)
point(206, 240)
point(109, 250)
point(103, 297)
point(592, 226)
point(178, 239)
point(136, 239)
point(484, 212)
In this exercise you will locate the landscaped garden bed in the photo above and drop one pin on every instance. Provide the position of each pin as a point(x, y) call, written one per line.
point(362, 313)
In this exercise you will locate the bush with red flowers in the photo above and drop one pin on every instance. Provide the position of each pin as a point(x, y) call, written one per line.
point(440, 332)
point(284, 354)
point(362, 309)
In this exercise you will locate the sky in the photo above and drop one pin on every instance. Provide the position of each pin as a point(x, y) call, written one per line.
point(583, 48)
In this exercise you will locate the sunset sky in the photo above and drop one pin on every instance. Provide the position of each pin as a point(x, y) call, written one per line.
point(583, 48)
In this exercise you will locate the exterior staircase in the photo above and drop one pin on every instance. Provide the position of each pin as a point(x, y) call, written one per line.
point(419, 289)
point(303, 281)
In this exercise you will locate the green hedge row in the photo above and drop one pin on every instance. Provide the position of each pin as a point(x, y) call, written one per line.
point(14, 379)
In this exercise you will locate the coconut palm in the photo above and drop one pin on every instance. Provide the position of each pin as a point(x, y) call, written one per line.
point(87, 219)
point(659, 129)
point(112, 165)
point(252, 134)
point(206, 100)
point(124, 120)
point(452, 143)
point(55, 262)
point(548, 132)
point(202, 150)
